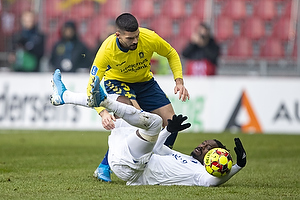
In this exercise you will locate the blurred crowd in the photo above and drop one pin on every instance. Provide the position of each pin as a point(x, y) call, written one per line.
point(70, 54)
point(67, 34)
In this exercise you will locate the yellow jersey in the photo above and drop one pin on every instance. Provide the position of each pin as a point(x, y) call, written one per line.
point(131, 66)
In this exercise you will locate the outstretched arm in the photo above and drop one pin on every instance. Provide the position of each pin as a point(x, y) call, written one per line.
point(174, 125)
point(209, 180)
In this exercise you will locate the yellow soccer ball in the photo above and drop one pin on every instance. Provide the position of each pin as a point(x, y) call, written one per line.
point(218, 162)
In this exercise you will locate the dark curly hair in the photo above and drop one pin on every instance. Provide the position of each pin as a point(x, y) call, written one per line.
point(220, 144)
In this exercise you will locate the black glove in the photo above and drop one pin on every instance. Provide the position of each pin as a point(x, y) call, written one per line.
point(240, 153)
point(175, 125)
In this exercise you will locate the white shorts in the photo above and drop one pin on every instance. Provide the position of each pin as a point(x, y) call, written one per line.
point(122, 163)
point(113, 97)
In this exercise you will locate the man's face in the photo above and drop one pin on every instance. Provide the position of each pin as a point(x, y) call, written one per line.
point(28, 20)
point(203, 35)
point(128, 40)
point(68, 33)
point(203, 31)
point(200, 151)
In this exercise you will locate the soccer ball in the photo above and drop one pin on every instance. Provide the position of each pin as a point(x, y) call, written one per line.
point(218, 162)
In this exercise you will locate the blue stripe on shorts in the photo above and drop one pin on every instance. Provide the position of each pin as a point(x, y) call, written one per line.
point(148, 94)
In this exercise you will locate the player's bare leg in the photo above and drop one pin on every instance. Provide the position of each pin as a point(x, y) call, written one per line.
point(166, 112)
point(135, 104)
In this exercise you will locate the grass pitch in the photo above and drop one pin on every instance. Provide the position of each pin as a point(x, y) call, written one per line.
point(60, 164)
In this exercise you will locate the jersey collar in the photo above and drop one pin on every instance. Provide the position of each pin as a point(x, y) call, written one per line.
point(119, 45)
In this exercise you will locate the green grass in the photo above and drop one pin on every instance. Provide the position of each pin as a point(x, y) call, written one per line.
point(60, 164)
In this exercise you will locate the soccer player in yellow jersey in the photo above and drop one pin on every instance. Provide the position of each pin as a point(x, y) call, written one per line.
point(123, 60)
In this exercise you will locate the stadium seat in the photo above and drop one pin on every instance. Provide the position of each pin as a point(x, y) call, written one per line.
point(52, 9)
point(82, 10)
point(49, 25)
point(272, 49)
point(142, 9)
point(241, 48)
point(265, 9)
point(235, 9)
point(224, 28)
point(187, 26)
point(188, 7)
point(253, 28)
point(173, 9)
point(287, 8)
point(162, 26)
point(98, 24)
point(90, 40)
point(283, 29)
point(111, 8)
point(178, 43)
point(19, 6)
point(198, 10)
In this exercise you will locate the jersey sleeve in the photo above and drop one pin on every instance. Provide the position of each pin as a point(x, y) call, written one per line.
point(163, 48)
point(159, 147)
point(98, 68)
point(208, 180)
point(175, 64)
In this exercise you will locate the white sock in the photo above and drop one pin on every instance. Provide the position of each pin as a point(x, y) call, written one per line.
point(75, 98)
point(151, 123)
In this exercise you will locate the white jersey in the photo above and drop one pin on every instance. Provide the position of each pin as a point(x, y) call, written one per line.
point(179, 169)
point(174, 168)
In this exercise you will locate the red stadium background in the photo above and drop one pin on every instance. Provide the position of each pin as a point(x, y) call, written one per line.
point(257, 37)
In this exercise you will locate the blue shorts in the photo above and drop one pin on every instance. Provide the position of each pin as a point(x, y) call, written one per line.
point(148, 94)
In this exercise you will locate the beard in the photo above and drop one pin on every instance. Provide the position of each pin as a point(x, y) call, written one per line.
point(133, 47)
point(194, 155)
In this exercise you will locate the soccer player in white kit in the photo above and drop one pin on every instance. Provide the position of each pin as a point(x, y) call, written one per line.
point(137, 154)
point(137, 151)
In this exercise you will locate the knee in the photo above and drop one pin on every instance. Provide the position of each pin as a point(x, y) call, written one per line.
point(157, 124)
point(151, 133)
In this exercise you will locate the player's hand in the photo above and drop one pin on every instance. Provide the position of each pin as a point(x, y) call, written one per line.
point(175, 124)
point(183, 92)
point(240, 152)
point(107, 120)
